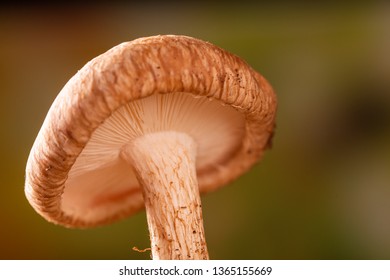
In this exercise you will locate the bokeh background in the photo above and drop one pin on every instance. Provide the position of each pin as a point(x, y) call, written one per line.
point(322, 192)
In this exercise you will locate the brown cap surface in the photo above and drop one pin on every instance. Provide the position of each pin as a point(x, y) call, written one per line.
point(75, 175)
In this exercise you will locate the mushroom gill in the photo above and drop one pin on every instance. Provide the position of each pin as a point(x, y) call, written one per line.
point(99, 171)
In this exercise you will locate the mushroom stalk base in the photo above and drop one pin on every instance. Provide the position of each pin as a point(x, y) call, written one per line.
point(165, 166)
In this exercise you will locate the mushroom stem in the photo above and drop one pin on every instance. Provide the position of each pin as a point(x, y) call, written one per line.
point(165, 166)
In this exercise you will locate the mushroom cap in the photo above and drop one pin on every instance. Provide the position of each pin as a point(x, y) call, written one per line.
point(74, 180)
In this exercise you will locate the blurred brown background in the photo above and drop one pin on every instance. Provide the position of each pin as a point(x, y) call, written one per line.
point(322, 192)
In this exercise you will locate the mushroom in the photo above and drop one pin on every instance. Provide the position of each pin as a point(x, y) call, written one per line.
point(150, 123)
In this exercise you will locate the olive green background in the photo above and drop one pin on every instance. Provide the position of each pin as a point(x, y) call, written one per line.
point(321, 192)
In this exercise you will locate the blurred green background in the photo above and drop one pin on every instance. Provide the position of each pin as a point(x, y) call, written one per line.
point(322, 192)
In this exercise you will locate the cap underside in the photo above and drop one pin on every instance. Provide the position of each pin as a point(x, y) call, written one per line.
point(101, 183)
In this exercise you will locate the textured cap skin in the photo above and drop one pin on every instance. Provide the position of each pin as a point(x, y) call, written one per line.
point(133, 70)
